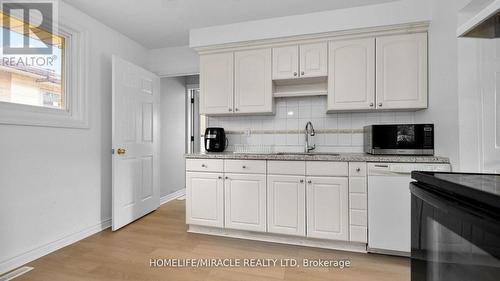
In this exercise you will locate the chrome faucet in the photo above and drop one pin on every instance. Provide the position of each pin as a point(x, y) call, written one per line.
point(309, 131)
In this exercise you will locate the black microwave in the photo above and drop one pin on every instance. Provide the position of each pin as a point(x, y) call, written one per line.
point(399, 139)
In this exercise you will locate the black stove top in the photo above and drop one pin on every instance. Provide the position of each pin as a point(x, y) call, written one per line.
point(475, 188)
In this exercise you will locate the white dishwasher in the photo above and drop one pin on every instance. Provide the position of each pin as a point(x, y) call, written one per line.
point(389, 205)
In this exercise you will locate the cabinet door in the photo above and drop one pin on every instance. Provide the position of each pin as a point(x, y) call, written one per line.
point(313, 60)
point(245, 202)
point(205, 199)
point(351, 83)
point(286, 205)
point(286, 62)
point(216, 83)
point(253, 85)
point(402, 71)
point(327, 208)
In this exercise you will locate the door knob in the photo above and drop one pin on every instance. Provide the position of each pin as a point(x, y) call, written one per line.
point(121, 151)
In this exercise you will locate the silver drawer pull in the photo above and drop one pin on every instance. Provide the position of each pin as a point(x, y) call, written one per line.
point(301, 181)
point(244, 167)
point(227, 178)
point(382, 166)
point(309, 181)
point(358, 170)
point(220, 177)
point(203, 165)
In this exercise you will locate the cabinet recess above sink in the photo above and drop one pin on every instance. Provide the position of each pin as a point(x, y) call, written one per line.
point(314, 86)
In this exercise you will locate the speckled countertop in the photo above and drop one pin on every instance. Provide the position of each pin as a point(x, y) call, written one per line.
point(341, 157)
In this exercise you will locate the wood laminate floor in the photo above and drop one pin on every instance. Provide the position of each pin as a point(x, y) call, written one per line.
point(126, 254)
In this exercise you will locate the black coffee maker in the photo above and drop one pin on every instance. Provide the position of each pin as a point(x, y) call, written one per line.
point(215, 139)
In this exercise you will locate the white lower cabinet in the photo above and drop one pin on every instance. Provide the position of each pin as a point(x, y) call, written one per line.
point(245, 202)
point(286, 205)
point(327, 208)
point(205, 199)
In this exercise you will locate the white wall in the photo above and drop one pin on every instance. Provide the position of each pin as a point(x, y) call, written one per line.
point(56, 183)
point(398, 12)
point(173, 130)
point(174, 61)
point(443, 79)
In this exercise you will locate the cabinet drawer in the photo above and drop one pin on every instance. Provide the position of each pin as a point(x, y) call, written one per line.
point(327, 169)
point(357, 169)
point(359, 217)
point(357, 201)
point(357, 185)
point(286, 168)
point(205, 165)
point(358, 234)
point(245, 166)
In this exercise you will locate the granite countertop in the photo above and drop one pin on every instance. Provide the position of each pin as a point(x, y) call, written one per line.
point(341, 157)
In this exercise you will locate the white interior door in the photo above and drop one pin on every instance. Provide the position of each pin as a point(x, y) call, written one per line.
point(136, 96)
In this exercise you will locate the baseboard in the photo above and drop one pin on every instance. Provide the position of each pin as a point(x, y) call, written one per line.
point(43, 250)
point(281, 239)
point(172, 196)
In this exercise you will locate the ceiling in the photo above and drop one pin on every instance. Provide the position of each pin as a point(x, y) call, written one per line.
point(166, 23)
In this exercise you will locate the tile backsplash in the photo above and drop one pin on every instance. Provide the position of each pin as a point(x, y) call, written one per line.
point(335, 132)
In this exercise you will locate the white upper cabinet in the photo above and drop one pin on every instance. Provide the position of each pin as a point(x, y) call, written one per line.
point(253, 88)
point(401, 71)
point(216, 83)
point(351, 83)
point(327, 208)
point(306, 60)
point(285, 62)
point(313, 60)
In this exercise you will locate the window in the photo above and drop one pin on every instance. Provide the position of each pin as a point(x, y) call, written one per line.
point(28, 79)
point(44, 89)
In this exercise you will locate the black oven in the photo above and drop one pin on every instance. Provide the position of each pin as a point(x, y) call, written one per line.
point(399, 139)
point(454, 237)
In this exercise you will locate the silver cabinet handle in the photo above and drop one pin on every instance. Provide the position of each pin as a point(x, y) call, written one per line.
point(227, 178)
point(203, 165)
point(220, 177)
point(230, 109)
point(380, 104)
point(236, 109)
point(309, 181)
point(358, 170)
point(301, 181)
point(244, 167)
point(302, 73)
point(295, 74)
point(371, 104)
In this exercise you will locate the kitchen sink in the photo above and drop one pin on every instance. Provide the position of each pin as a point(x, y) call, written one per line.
point(307, 153)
